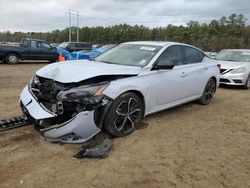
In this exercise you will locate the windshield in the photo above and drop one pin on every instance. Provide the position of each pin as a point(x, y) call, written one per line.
point(129, 54)
point(63, 45)
point(227, 55)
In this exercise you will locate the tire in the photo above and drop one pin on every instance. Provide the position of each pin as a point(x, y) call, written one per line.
point(247, 84)
point(12, 58)
point(120, 120)
point(208, 92)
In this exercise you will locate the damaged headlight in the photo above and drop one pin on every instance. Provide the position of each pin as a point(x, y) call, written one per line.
point(34, 80)
point(85, 94)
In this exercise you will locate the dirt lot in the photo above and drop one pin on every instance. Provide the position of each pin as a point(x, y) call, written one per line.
point(189, 146)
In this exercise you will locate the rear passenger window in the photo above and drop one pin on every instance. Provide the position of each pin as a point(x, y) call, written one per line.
point(43, 45)
point(33, 44)
point(79, 45)
point(171, 54)
point(84, 46)
point(192, 55)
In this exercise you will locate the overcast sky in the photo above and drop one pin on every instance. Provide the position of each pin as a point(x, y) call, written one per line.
point(47, 15)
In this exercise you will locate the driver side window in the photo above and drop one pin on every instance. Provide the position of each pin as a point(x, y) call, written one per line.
point(171, 55)
point(43, 45)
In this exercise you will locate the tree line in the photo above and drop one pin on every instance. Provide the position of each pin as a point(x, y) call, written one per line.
point(227, 32)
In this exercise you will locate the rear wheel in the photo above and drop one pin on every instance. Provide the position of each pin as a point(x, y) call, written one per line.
point(247, 84)
point(124, 115)
point(12, 58)
point(208, 92)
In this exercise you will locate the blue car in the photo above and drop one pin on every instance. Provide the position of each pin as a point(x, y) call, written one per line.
point(84, 54)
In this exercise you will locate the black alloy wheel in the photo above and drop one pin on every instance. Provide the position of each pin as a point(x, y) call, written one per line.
point(124, 115)
point(208, 92)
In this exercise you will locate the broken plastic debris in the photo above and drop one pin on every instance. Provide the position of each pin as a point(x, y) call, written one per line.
point(99, 150)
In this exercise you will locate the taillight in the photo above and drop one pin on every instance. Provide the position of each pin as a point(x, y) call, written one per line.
point(219, 66)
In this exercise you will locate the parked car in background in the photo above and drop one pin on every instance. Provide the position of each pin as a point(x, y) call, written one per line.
point(92, 54)
point(106, 47)
point(29, 49)
point(235, 67)
point(212, 54)
point(75, 46)
point(94, 46)
point(72, 101)
point(83, 54)
point(54, 44)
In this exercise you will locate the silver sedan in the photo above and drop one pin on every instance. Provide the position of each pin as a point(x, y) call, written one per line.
point(235, 67)
point(72, 101)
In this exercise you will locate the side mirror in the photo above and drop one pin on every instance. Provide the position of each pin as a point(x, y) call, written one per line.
point(167, 66)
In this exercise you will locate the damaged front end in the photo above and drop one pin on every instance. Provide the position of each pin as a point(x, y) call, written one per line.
point(66, 112)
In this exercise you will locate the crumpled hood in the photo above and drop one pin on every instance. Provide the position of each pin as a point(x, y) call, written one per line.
point(231, 64)
point(76, 71)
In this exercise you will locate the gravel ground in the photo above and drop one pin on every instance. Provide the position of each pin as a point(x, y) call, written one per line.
point(188, 146)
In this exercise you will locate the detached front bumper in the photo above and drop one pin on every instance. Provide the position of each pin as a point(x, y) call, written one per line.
point(78, 129)
point(233, 79)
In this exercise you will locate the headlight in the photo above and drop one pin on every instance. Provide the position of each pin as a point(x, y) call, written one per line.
point(34, 80)
point(238, 70)
point(82, 94)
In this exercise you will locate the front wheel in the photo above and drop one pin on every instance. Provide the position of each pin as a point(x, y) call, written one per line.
point(247, 84)
point(208, 92)
point(123, 115)
point(12, 58)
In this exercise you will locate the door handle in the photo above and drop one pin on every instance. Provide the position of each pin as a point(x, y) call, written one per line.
point(183, 74)
point(205, 68)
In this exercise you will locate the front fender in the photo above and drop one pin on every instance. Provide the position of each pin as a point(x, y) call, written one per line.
point(118, 87)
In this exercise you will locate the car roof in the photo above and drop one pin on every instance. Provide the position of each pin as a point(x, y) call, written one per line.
point(153, 43)
point(161, 44)
point(79, 43)
point(33, 39)
point(237, 50)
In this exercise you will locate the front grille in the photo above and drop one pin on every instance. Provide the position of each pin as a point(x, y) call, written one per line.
point(224, 80)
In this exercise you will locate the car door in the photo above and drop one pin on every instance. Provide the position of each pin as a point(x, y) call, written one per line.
point(34, 51)
point(196, 70)
point(25, 48)
point(169, 86)
point(46, 51)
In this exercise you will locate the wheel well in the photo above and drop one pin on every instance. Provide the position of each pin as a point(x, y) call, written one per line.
point(140, 95)
point(12, 53)
point(215, 81)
